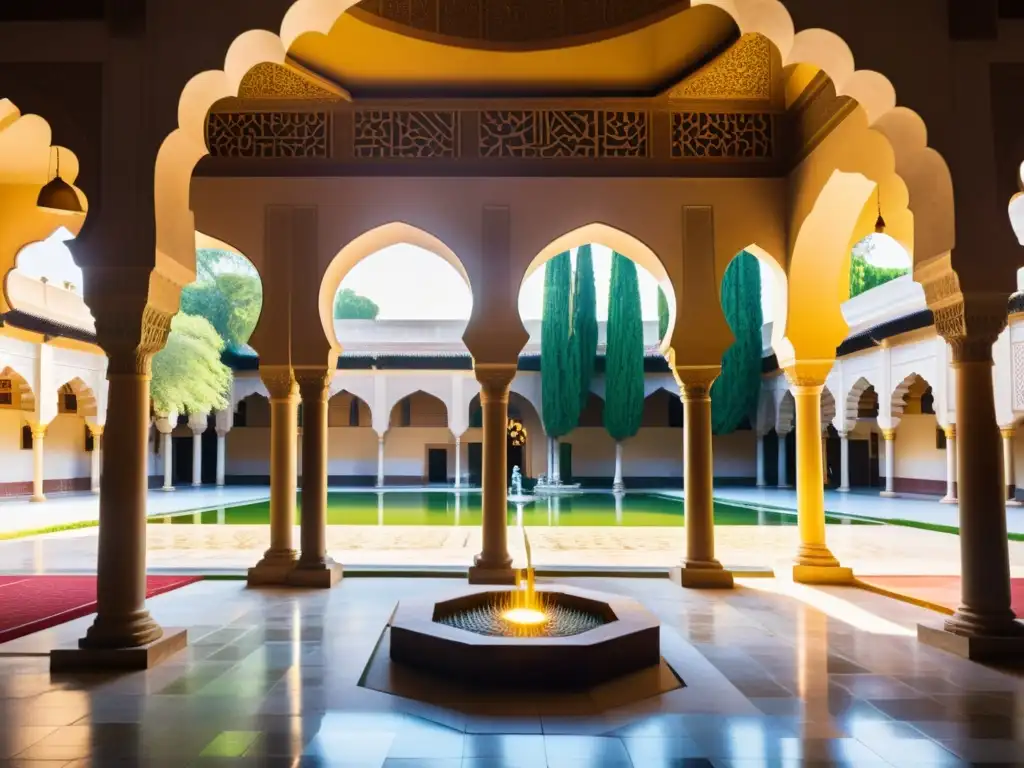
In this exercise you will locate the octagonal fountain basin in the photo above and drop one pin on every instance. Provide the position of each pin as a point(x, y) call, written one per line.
point(581, 638)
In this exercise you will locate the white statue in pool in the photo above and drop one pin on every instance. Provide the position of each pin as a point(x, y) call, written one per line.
point(517, 481)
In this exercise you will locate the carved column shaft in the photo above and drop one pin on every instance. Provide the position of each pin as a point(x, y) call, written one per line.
point(313, 532)
point(38, 461)
point(493, 564)
point(122, 620)
point(280, 557)
point(700, 568)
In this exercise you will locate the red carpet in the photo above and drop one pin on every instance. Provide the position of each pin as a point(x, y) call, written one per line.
point(31, 603)
point(939, 591)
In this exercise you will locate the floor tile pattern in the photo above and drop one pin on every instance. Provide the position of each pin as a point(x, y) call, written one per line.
point(776, 676)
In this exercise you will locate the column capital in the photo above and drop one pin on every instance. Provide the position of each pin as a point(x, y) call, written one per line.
point(808, 376)
point(949, 431)
point(222, 432)
point(889, 434)
point(38, 430)
point(971, 324)
point(695, 381)
point(313, 383)
point(495, 379)
point(96, 430)
point(279, 381)
point(1007, 432)
point(130, 339)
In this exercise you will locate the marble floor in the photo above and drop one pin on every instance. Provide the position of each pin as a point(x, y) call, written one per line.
point(776, 675)
point(234, 548)
point(863, 503)
point(20, 514)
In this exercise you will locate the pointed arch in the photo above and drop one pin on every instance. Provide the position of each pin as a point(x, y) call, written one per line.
point(853, 396)
point(26, 399)
point(828, 408)
point(427, 392)
point(367, 244)
point(85, 398)
point(898, 398)
point(785, 416)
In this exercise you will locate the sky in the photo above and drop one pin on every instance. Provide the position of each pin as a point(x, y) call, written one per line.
point(409, 282)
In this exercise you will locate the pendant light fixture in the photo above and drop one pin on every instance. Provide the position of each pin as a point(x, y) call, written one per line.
point(879, 222)
point(57, 195)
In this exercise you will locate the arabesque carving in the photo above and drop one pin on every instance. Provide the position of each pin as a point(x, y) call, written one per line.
point(130, 347)
point(573, 133)
point(722, 134)
point(1017, 367)
point(381, 133)
point(269, 134)
point(276, 81)
point(279, 381)
point(742, 72)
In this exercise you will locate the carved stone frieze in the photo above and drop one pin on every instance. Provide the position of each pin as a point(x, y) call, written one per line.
point(722, 134)
point(511, 21)
point(277, 81)
point(269, 134)
point(1017, 361)
point(744, 71)
point(406, 133)
point(971, 325)
point(574, 133)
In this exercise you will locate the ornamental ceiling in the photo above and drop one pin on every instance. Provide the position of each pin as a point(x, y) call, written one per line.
point(622, 48)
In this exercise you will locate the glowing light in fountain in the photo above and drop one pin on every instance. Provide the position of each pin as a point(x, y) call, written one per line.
point(526, 610)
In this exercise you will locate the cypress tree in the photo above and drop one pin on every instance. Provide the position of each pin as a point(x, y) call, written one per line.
point(624, 358)
point(735, 392)
point(584, 320)
point(559, 375)
point(662, 314)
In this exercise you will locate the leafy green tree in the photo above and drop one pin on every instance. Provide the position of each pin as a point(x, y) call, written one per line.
point(662, 314)
point(584, 320)
point(559, 356)
point(624, 358)
point(735, 392)
point(188, 375)
point(230, 301)
point(865, 276)
point(349, 305)
point(211, 262)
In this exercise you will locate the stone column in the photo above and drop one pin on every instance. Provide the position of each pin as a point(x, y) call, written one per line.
point(164, 427)
point(315, 568)
point(458, 462)
point(815, 564)
point(122, 621)
point(889, 436)
point(279, 559)
point(197, 454)
point(700, 568)
point(556, 461)
point(221, 456)
point(844, 462)
point(617, 484)
point(38, 443)
point(783, 480)
point(494, 565)
point(950, 497)
point(94, 459)
point(760, 462)
point(380, 461)
point(984, 624)
point(1009, 478)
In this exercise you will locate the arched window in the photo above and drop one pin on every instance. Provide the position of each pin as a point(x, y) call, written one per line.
point(26, 438)
point(240, 413)
point(353, 412)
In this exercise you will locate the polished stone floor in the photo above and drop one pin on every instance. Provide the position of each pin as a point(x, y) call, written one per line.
point(234, 548)
point(777, 675)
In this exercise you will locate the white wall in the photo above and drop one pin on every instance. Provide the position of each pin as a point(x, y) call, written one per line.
point(15, 464)
point(916, 454)
point(64, 454)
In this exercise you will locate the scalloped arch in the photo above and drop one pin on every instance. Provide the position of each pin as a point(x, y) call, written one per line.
point(898, 403)
point(853, 395)
point(924, 171)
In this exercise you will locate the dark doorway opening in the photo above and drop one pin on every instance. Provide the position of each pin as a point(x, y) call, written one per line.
point(181, 468)
point(437, 465)
point(209, 456)
point(565, 462)
point(476, 463)
point(514, 458)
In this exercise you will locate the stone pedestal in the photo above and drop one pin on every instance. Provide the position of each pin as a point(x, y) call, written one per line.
point(127, 659)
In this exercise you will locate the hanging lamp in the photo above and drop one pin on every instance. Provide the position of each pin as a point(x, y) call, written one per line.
point(57, 195)
point(879, 222)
